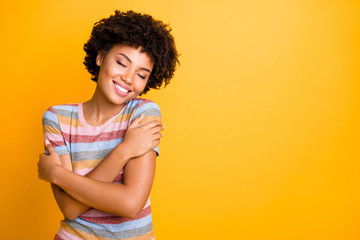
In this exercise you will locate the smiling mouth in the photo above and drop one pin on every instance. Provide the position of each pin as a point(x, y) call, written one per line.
point(121, 89)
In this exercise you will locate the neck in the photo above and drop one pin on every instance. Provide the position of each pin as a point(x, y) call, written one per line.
point(99, 109)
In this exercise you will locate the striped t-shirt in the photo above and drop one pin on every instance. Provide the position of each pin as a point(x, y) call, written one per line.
point(65, 127)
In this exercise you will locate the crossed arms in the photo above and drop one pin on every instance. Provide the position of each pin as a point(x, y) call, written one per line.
point(75, 194)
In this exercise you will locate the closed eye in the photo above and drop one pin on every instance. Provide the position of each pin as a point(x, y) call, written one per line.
point(141, 76)
point(120, 63)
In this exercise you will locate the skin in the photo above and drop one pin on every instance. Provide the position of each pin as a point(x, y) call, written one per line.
point(130, 68)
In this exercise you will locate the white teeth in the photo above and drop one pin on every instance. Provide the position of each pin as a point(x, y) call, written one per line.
point(121, 89)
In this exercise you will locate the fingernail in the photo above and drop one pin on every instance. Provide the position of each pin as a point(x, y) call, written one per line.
point(47, 142)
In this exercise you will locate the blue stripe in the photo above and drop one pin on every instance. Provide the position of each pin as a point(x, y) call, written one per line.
point(136, 102)
point(157, 150)
point(150, 108)
point(95, 146)
point(130, 225)
point(60, 150)
point(51, 116)
point(64, 107)
point(146, 106)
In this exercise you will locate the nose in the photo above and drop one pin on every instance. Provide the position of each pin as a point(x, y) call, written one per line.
point(126, 77)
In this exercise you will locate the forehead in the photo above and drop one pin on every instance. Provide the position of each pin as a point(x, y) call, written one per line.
point(137, 56)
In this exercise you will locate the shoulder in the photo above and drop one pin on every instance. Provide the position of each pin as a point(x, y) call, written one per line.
point(66, 110)
point(139, 106)
point(137, 103)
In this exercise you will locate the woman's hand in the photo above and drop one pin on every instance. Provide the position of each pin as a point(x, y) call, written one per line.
point(48, 163)
point(139, 139)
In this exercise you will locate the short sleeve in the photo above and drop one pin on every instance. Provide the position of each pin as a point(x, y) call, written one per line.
point(152, 112)
point(52, 132)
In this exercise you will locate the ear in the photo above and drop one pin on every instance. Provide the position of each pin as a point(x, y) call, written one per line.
point(99, 59)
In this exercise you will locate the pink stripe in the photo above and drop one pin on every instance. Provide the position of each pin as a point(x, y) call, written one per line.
point(58, 238)
point(115, 219)
point(92, 212)
point(148, 203)
point(66, 236)
point(119, 178)
point(51, 110)
point(57, 143)
point(95, 138)
point(83, 172)
point(53, 137)
point(90, 132)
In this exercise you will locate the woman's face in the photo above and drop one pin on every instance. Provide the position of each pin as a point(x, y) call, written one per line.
point(124, 72)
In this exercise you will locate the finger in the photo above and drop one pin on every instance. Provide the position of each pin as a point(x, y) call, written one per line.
point(158, 136)
point(152, 124)
point(157, 129)
point(49, 146)
point(159, 126)
point(157, 142)
point(137, 120)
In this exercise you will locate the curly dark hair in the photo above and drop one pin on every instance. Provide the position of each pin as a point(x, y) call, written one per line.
point(136, 30)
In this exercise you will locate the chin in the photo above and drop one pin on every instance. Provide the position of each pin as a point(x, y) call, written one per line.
point(122, 100)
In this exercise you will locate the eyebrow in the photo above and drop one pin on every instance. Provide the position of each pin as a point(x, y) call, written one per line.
point(124, 55)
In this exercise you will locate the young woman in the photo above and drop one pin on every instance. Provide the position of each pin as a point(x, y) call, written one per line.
point(101, 153)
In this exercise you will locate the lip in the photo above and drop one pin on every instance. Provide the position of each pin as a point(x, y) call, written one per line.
point(120, 92)
point(121, 85)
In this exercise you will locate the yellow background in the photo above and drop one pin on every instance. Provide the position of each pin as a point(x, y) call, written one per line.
point(262, 117)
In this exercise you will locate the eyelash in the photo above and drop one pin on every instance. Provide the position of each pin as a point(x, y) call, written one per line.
point(121, 64)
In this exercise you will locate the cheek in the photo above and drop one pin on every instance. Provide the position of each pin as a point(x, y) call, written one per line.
point(140, 85)
point(113, 70)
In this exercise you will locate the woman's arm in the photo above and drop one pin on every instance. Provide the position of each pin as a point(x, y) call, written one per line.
point(107, 172)
point(126, 199)
point(137, 140)
point(68, 206)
